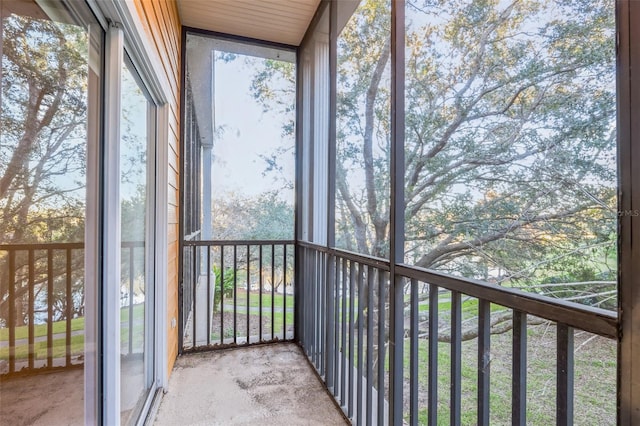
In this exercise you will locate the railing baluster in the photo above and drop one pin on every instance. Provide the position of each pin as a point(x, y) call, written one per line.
point(315, 308)
point(273, 284)
point(312, 325)
point(519, 374)
point(222, 290)
point(565, 375)
point(260, 283)
point(12, 311)
point(343, 334)
point(284, 292)
point(433, 356)
point(484, 360)
point(338, 326)
point(360, 343)
point(456, 357)
point(248, 295)
point(131, 282)
point(330, 343)
point(370, 381)
point(352, 340)
point(208, 295)
point(49, 308)
point(31, 309)
point(381, 343)
point(312, 306)
point(69, 310)
point(321, 313)
point(235, 294)
point(194, 294)
point(413, 351)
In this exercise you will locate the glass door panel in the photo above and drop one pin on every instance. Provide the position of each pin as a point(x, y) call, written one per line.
point(136, 285)
point(49, 127)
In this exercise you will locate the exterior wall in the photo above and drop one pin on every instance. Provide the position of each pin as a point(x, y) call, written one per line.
point(162, 25)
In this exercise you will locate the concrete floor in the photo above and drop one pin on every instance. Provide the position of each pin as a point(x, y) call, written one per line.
point(260, 385)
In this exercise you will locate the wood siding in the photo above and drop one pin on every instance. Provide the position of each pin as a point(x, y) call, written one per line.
point(162, 25)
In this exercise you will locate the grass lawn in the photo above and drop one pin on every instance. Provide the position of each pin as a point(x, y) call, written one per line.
point(77, 341)
point(254, 299)
point(595, 379)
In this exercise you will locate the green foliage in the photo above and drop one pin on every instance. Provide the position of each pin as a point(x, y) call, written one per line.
point(225, 288)
point(510, 140)
point(263, 217)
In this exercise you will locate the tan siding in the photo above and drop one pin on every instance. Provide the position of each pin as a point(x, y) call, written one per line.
point(173, 197)
point(173, 160)
point(162, 24)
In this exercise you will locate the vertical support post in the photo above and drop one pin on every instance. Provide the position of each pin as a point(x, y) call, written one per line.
point(331, 167)
point(628, 106)
point(331, 192)
point(396, 237)
point(298, 273)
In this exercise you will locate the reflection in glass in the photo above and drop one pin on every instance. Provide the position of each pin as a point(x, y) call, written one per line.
point(135, 278)
point(49, 91)
point(510, 144)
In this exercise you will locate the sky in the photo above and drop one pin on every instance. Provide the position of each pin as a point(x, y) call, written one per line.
point(247, 132)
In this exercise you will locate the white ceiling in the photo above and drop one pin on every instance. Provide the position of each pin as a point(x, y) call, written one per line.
point(280, 21)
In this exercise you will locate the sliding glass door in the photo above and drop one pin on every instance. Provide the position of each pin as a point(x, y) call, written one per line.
point(50, 108)
point(137, 175)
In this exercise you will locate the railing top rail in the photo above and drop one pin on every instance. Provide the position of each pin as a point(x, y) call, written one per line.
point(41, 246)
point(364, 259)
point(594, 320)
point(204, 243)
